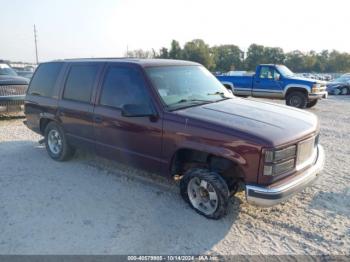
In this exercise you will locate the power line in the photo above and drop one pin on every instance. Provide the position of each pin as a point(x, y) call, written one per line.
point(36, 45)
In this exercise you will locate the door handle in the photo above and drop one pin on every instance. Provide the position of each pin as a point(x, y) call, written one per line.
point(98, 119)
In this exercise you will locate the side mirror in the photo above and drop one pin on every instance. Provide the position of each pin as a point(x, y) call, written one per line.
point(137, 110)
point(277, 77)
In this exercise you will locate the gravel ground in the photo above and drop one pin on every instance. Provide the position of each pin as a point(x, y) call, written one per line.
point(93, 206)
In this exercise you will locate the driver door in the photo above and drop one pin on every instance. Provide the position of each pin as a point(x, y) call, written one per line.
point(268, 83)
point(132, 140)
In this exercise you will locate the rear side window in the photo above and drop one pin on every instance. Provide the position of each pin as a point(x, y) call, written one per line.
point(123, 85)
point(80, 82)
point(44, 79)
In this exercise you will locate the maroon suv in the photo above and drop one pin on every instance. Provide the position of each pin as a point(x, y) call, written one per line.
point(174, 118)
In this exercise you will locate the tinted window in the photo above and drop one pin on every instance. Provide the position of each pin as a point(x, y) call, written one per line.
point(80, 82)
point(44, 79)
point(123, 85)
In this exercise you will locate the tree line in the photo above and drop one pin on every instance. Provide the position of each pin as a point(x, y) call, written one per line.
point(225, 58)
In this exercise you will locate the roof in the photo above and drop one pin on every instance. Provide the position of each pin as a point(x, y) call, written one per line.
point(270, 64)
point(141, 62)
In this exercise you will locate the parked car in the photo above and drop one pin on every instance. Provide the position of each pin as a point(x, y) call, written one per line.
point(26, 74)
point(277, 81)
point(176, 119)
point(12, 89)
point(340, 85)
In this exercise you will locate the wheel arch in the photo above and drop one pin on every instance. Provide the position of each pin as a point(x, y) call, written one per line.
point(45, 119)
point(296, 87)
point(229, 168)
point(228, 85)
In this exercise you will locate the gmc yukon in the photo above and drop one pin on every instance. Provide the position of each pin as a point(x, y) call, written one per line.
point(176, 119)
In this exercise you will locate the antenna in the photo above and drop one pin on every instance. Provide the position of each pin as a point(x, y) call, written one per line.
point(36, 45)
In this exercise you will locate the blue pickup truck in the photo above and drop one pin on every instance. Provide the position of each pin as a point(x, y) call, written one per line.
point(277, 82)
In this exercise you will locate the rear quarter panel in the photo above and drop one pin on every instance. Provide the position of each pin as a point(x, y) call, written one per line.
point(242, 84)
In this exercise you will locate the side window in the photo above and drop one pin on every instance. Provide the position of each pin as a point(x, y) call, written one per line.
point(266, 72)
point(123, 85)
point(276, 75)
point(44, 79)
point(80, 82)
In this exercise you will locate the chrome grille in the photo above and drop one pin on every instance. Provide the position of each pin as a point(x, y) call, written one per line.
point(13, 90)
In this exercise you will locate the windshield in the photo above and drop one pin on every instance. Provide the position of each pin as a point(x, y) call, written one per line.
point(342, 79)
point(6, 70)
point(285, 71)
point(183, 86)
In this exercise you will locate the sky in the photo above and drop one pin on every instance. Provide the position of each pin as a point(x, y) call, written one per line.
point(106, 28)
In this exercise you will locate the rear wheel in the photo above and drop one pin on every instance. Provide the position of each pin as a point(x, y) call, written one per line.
point(206, 192)
point(311, 103)
point(344, 91)
point(56, 143)
point(297, 99)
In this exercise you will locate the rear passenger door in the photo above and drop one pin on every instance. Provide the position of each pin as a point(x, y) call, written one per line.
point(132, 140)
point(75, 107)
point(43, 92)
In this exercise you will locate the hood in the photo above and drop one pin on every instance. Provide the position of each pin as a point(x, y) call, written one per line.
point(334, 84)
point(303, 80)
point(13, 80)
point(269, 123)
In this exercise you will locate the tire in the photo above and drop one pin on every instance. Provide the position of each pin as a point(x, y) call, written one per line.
point(206, 192)
point(56, 143)
point(344, 91)
point(336, 91)
point(311, 103)
point(297, 99)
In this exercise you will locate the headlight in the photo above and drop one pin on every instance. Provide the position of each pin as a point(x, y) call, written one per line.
point(279, 161)
point(316, 88)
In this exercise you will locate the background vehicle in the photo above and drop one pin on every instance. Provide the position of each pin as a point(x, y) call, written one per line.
point(277, 81)
point(12, 89)
point(339, 86)
point(175, 118)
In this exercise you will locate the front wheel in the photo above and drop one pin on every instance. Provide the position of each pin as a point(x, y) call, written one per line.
point(206, 192)
point(297, 99)
point(311, 103)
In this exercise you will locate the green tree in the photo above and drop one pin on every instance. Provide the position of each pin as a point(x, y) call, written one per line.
point(175, 50)
point(227, 57)
point(163, 53)
point(198, 51)
point(274, 55)
point(295, 61)
point(255, 56)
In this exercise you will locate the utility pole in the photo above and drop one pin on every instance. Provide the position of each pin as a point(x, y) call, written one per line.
point(36, 45)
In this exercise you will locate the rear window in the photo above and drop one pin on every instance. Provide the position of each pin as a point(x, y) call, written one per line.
point(44, 79)
point(80, 82)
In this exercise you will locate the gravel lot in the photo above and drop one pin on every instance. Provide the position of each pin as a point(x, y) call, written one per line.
point(93, 206)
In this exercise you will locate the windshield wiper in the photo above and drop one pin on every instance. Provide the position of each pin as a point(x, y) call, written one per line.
point(190, 101)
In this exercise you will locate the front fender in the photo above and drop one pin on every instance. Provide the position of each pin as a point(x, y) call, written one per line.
point(212, 150)
point(301, 86)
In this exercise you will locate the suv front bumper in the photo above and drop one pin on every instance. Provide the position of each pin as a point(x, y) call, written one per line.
point(319, 95)
point(269, 196)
